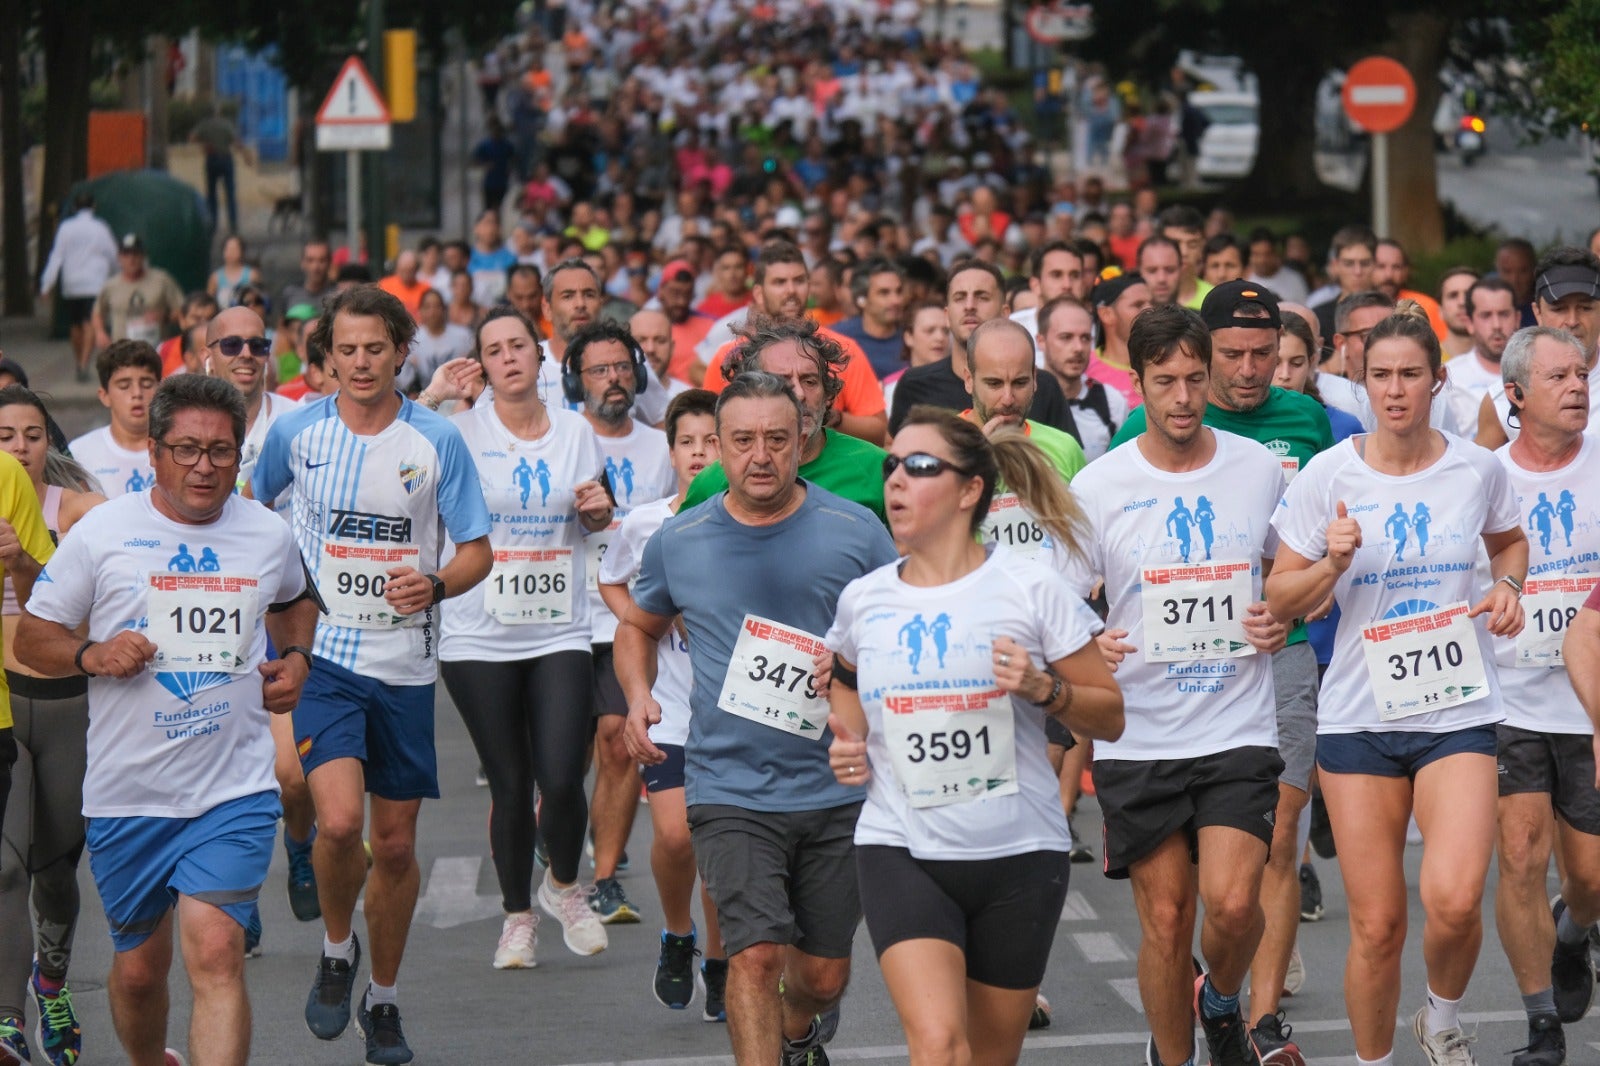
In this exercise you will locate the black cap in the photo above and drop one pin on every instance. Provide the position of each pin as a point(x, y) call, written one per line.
point(1220, 308)
point(131, 242)
point(1565, 280)
point(1110, 290)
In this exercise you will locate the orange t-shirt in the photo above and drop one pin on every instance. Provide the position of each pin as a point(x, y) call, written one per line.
point(1430, 305)
point(861, 394)
point(171, 353)
point(826, 318)
point(685, 336)
point(409, 295)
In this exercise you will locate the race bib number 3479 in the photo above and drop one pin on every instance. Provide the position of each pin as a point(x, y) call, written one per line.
point(770, 681)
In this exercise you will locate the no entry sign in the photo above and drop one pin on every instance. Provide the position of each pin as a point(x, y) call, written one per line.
point(1379, 94)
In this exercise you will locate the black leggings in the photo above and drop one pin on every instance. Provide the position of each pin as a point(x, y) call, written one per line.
point(530, 722)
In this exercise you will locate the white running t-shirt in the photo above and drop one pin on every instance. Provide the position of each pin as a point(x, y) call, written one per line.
point(639, 466)
point(674, 676)
point(118, 470)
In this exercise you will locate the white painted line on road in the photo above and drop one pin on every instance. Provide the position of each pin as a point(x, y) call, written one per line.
point(452, 897)
point(1077, 908)
point(1101, 947)
point(1127, 1039)
point(1128, 989)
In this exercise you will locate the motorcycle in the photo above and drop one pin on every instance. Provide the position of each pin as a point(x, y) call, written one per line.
point(1470, 139)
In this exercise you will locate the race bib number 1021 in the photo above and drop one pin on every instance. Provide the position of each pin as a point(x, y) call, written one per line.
point(201, 622)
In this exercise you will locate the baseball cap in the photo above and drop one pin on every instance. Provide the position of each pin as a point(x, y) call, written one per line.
point(1220, 308)
point(675, 268)
point(300, 313)
point(131, 242)
point(788, 217)
point(1565, 280)
point(1110, 290)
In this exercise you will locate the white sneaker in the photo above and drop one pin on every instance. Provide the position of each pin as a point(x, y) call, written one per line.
point(580, 926)
point(1294, 978)
point(1449, 1048)
point(174, 1059)
point(518, 937)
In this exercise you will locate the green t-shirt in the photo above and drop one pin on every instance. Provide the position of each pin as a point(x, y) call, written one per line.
point(1291, 425)
point(1066, 455)
point(847, 466)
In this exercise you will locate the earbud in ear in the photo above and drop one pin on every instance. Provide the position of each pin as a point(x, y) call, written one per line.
point(1516, 392)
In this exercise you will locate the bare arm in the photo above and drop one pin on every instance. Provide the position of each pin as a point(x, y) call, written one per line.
point(283, 677)
point(1491, 434)
point(51, 649)
point(1581, 650)
point(471, 564)
point(1508, 557)
point(634, 658)
point(870, 428)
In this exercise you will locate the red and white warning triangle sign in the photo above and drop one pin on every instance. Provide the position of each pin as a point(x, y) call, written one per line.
point(354, 99)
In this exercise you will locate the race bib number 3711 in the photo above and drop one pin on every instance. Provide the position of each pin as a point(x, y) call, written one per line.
point(1196, 612)
point(770, 681)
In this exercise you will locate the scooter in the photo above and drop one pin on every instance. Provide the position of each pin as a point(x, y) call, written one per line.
point(1470, 139)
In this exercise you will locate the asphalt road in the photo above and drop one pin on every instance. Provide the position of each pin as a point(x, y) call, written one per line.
point(599, 1010)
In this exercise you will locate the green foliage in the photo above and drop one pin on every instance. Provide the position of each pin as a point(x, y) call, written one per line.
point(103, 95)
point(1566, 71)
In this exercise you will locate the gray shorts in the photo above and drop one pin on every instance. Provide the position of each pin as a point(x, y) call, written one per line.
point(780, 877)
point(1294, 677)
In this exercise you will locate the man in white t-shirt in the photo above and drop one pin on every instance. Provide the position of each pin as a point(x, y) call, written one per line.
point(179, 587)
point(1066, 346)
point(118, 455)
point(1194, 778)
point(375, 484)
point(1491, 319)
point(572, 292)
point(1546, 743)
point(1354, 316)
point(437, 342)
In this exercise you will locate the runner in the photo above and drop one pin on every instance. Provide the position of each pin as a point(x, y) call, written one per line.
point(771, 827)
point(1190, 788)
point(962, 897)
point(1393, 739)
point(692, 434)
point(1117, 302)
point(603, 369)
point(183, 814)
point(1066, 345)
point(1546, 743)
point(514, 651)
point(117, 454)
point(372, 478)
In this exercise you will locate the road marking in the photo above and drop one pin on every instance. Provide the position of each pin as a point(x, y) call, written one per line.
point(1128, 989)
point(1077, 908)
point(452, 897)
point(1123, 1039)
point(1101, 947)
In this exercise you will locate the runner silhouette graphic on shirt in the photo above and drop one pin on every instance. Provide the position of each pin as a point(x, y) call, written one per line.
point(209, 563)
point(1205, 517)
point(541, 474)
point(1178, 523)
point(183, 562)
point(1542, 517)
point(522, 477)
point(911, 635)
point(1397, 527)
point(614, 477)
point(941, 636)
point(1419, 522)
point(137, 483)
point(627, 478)
point(1565, 506)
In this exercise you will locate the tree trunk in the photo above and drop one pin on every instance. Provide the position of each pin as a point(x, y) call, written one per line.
point(156, 49)
point(67, 53)
point(1285, 171)
point(1419, 42)
point(19, 279)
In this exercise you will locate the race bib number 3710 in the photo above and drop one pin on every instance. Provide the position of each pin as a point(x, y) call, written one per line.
point(770, 681)
point(1424, 662)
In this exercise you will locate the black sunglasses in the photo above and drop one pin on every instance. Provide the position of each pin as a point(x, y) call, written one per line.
point(921, 464)
point(259, 347)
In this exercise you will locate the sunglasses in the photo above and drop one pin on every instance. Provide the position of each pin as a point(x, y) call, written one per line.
point(230, 347)
point(921, 464)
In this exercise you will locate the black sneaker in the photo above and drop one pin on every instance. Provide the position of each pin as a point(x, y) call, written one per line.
point(303, 901)
point(328, 1005)
point(1227, 1039)
point(386, 1044)
point(828, 1023)
point(714, 979)
point(1571, 973)
point(1080, 851)
point(1321, 829)
point(1547, 1044)
point(1271, 1039)
point(1310, 894)
point(674, 982)
point(807, 1051)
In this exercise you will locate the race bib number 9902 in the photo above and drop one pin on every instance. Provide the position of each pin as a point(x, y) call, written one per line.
point(770, 680)
point(352, 580)
point(1196, 612)
point(1550, 604)
point(201, 622)
point(1424, 662)
point(951, 747)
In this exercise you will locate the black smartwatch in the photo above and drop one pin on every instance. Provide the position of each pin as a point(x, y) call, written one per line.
point(438, 587)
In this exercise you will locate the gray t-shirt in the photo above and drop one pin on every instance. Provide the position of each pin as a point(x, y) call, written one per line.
point(715, 570)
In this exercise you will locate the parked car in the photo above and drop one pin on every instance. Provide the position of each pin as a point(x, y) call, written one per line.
point(1228, 146)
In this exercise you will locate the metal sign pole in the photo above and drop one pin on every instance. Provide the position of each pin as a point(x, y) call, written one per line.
point(352, 204)
point(1380, 184)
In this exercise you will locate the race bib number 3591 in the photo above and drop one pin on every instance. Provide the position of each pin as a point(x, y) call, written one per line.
point(1196, 612)
point(352, 580)
point(201, 622)
point(951, 747)
point(1424, 662)
point(769, 678)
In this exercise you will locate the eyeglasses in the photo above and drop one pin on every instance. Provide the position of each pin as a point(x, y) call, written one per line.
point(259, 347)
point(921, 464)
point(600, 373)
point(221, 455)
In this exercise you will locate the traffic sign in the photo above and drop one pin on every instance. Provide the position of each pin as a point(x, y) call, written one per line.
point(353, 116)
point(1379, 94)
point(1054, 23)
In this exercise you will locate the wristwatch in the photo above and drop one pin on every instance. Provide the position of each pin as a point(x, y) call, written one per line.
point(438, 587)
point(1516, 586)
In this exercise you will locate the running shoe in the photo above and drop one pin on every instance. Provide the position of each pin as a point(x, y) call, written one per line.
point(1571, 972)
point(175, 1059)
point(807, 1051)
point(303, 900)
point(1227, 1039)
point(1080, 851)
point(519, 937)
point(380, 1024)
point(57, 1036)
point(588, 849)
point(1449, 1048)
point(13, 1045)
point(1271, 1039)
point(674, 981)
point(1040, 1018)
point(573, 908)
point(1294, 978)
point(328, 1005)
point(714, 979)
point(611, 903)
point(252, 933)
point(828, 1023)
point(1310, 894)
point(1547, 1044)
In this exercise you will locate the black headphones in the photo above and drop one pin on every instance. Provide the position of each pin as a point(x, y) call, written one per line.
point(572, 362)
point(1516, 390)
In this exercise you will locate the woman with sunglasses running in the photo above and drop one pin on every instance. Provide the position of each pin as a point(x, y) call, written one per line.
point(946, 664)
point(1389, 522)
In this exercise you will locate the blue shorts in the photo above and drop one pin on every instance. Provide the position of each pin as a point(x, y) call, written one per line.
point(1400, 753)
point(142, 865)
point(666, 775)
point(388, 727)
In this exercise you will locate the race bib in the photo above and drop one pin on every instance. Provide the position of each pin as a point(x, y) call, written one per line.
point(951, 747)
point(529, 587)
point(352, 579)
point(143, 327)
point(1424, 662)
point(1550, 604)
point(1196, 612)
point(201, 622)
point(1011, 524)
point(595, 546)
point(1291, 467)
point(769, 678)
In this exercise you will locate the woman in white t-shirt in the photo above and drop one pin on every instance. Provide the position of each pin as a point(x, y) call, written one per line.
point(945, 666)
point(514, 650)
point(1388, 524)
